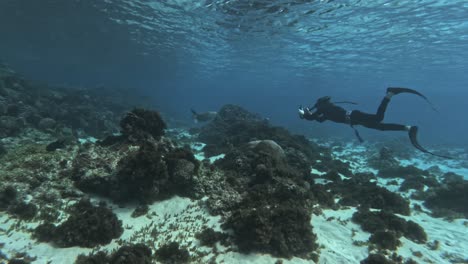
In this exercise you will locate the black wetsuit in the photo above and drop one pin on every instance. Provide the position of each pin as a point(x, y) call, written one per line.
point(326, 110)
point(329, 111)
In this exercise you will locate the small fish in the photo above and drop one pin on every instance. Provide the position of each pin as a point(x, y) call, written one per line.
point(203, 117)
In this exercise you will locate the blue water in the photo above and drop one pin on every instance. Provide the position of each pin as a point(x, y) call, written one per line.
point(268, 56)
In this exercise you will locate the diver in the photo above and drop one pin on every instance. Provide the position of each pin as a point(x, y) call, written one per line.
point(327, 110)
point(203, 117)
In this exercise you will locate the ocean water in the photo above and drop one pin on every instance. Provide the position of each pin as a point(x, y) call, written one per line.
point(267, 57)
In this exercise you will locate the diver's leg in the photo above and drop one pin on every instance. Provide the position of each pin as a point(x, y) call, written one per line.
point(388, 127)
point(391, 91)
point(364, 118)
point(379, 116)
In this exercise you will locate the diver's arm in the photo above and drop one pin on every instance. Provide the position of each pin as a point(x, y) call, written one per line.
point(321, 118)
point(314, 116)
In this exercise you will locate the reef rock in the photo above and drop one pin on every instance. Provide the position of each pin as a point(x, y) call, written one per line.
point(141, 124)
point(235, 127)
point(274, 220)
point(87, 226)
point(128, 254)
point(450, 199)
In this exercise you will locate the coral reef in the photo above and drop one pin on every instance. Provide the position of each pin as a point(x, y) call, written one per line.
point(152, 174)
point(275, 219)
point(87, 226)
point(449, 198)
point(128, 254)
point(377, 259)
point(385, 240)
point(171, 253)
point(141, 124)
point(8, 196)
point(145, 166)
point(23, 210)
point(24, 104)
point(402, 172)
point(142, 176)
point(374, 222)
point(11, 202)
point(383, 159)
point(208, 237)
point(140, 210)
point(272, 203)
point(58, 144)
point(261, 191)
point(370, 195)
point(234, 126)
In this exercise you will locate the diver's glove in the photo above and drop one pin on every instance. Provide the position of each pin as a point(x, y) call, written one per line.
point(301, 112)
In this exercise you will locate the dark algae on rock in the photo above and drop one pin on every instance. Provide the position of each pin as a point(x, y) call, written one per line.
point(87, 226)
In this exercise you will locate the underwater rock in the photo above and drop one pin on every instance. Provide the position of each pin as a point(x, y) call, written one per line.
point(140, 124)
point(414, 183)
point(256, 165)
point(93, 169)
point(180, 154)
point(362, 177)
point(275, 151)
point(374, 222)
point(222, 196)
point(155, 172)
point(58, 144)
point(45, 107)
point(87, 226)
point(208, 237)
point(298, 160)
point(450, 197)
point(370, 195)
point(128, 254)
point(235, 126)
point(3, 105)
point(47, 123)
point(111, 140)
point(140, 210)
point(182, 174)
point(338, 166)
point(8, 196)
point(333, 176)
point(23, 210)
point(385, 240)
point(273, 215)
point(171, 253)
point(402, 172)
point(383, 160)
point(142, 176)
point(377, 259)
point(415, 232)
point(9, 126)
point(324, 198)
point(450, 178)
point(273, 219)
point(3, 150)
point(145, 173)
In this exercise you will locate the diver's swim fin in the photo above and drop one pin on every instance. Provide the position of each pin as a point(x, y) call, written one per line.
point(413, 137)
point(399, 90)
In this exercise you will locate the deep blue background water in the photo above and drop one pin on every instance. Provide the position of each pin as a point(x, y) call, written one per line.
point(268, 56)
